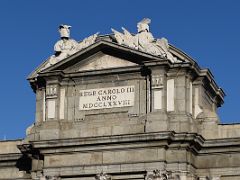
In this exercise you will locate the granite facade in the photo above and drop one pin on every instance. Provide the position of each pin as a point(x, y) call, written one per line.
point(170, 130)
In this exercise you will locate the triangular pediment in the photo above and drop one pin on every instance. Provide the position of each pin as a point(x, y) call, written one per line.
point(100, 61)
point(100, 55)
point(116, 56)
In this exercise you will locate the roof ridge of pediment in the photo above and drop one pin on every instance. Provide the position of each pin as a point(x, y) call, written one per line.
point(95, 45)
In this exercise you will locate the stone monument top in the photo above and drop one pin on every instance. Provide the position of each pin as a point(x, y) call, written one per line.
point(130, 105)
point(93, 82)
point(143, 41)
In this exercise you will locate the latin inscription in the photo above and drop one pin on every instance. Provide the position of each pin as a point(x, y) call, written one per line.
point(106, 98)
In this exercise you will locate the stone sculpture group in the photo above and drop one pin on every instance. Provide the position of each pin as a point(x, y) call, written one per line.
point(142, 41)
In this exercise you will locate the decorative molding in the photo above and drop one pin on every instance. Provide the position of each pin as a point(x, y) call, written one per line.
point(50, 178)
point(158, 175)
point(102, 176)
point(157, 81)
point(51, 91)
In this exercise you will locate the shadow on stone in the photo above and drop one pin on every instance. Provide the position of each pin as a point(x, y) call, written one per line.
point(24, 163)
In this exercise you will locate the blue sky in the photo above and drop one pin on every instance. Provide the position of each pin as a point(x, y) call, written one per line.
point(208, 31)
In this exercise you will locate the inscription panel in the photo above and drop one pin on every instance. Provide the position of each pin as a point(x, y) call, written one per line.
point(113, 97)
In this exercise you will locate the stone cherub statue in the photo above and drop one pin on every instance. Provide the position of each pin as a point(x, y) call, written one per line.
point(144, 41)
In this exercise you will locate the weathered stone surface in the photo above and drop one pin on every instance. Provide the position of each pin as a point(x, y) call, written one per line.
point(8, 147)
point(170, 127)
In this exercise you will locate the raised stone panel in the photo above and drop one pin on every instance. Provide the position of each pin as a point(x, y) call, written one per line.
point(157, 89)
point(157, 99)
point(133, 108)
point(197, 107)
point(51, 107)
point(106, 98)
